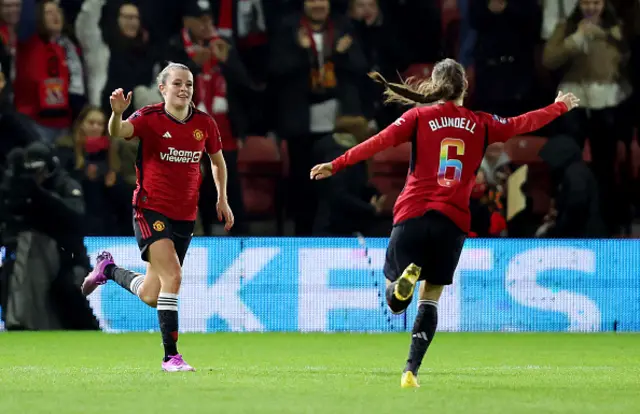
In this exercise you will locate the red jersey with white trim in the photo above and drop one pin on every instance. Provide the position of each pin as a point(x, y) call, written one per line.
point(448, 144)
point(168, 164)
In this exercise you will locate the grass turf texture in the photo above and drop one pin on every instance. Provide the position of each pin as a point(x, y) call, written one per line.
point(314, 373)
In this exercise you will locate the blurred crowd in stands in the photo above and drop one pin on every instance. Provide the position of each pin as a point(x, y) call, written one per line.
point(286, 82)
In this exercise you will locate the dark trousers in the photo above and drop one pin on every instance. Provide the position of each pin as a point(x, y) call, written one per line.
point(604, 128)
point(301, 191)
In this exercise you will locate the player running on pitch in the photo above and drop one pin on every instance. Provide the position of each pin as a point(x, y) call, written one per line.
point(173, 136)
point(431, 215)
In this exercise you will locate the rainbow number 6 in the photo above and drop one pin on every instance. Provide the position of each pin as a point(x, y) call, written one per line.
point(446, 162)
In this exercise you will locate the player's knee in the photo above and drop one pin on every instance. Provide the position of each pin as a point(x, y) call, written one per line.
point(150, 300)
point(172, 278)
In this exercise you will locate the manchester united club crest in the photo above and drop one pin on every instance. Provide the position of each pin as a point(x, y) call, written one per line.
point(198, 135)
point(158, 226)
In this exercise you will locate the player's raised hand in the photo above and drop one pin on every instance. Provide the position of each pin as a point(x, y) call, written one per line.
point(119, 103)
point(321, 171)
point(224, 212)
point(569, 99)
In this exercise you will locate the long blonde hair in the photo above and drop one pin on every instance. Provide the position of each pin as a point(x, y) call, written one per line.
point(447, 82)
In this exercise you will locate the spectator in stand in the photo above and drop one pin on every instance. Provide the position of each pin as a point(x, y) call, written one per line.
point(246, 24)
point(315, 66)
point(161, 18)
point(495, 165)
point(506, 34)
point(215, 65)
point(378, 39)
point(487, 198)
point(49, 75)
point(555, 12)
point(420, 24)
point(575, 212)
point(467, 33)
point(117, 55)
point(592, 53)
point(9, 19)
point(92, 157)
point(16, 130)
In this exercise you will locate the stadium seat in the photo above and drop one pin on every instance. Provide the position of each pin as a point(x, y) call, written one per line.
point(418, 71)
point(524, 149)
point(259, 155)
point(449, 13)
point(261, 170)
point(389, 169)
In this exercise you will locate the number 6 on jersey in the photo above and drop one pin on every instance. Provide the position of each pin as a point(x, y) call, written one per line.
point(446, 162)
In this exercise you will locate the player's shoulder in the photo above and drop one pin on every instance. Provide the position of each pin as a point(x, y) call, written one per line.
point(490, 118)
point(201, 116)
point(149, 110)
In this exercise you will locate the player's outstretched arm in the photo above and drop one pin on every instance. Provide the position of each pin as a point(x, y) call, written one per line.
point(395, 134)
point(501, 130)
point(119, 104)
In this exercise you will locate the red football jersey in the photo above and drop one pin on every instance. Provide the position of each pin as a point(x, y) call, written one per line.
point(448, 144)
point(168, 164)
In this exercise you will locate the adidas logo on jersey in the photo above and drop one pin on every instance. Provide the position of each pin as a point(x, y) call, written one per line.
point(166, 135)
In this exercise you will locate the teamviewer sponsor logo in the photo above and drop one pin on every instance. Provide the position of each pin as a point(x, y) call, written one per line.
point(181, 156)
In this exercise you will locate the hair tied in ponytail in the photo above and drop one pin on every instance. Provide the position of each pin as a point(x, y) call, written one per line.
point(377, 77)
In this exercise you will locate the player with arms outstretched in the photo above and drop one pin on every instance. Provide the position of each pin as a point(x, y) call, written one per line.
point(431, 215)
point(173, 136)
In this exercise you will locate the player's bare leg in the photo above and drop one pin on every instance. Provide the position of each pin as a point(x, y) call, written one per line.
point(146, 287)
point(151, 290)
point(424, 329)
point(165, 263)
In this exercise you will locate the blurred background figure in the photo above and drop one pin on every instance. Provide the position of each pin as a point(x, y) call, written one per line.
point(93, 158)
point(9, 20)
point(16, 129)
point(49, 75)
point(219, 74)
point(42, 223)
point(117, 50)
point(383, 53)
point(575, 212)
point(591, 54)
point(506, 34)
point(315, 66)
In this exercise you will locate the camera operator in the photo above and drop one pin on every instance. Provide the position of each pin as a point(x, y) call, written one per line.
point(42, 221)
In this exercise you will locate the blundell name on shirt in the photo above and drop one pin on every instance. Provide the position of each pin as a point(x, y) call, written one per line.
point(444, 122)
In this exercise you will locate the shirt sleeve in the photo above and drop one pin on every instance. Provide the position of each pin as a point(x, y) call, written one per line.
point(214, 139)
point(503, 129)
point(139, 122)
point(395, 134)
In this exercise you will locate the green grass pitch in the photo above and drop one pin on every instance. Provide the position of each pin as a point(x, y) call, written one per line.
point(475, 373)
